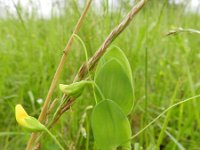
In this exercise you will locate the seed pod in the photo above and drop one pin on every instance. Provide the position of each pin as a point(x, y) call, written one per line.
point(74, 89)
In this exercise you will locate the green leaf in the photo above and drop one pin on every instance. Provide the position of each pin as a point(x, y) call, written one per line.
point(74, 89)
point(116, 53)
point(114, 84)
point(110, 126)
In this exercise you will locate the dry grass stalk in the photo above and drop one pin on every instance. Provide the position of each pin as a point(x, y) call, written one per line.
point(42, 116)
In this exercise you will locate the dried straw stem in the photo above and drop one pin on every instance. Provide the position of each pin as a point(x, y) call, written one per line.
point(43, 114)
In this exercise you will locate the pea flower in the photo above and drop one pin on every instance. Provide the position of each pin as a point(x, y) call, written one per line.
point(26, 121)
point(31, 123)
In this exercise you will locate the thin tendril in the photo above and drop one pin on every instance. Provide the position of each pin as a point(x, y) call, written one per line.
point(161, 114)
point(86, 57)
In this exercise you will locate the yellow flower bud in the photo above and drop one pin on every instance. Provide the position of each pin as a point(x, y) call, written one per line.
point(20, 114)
point(30, 123)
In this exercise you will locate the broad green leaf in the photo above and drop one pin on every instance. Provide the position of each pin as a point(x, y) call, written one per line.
point(114, 84)
point(116, 53)
point(110, 126)
point(74, 89)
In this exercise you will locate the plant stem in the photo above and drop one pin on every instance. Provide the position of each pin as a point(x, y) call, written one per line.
point(180, 30)
point(161, 114)
point(54, 138)
point(42, 116)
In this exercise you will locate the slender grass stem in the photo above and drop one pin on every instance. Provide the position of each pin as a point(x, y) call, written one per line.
point(181, 30)
point(54, 138)
point(167, 118)
point(161, 114)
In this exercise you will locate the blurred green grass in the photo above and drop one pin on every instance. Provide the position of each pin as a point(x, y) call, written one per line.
point(30, 50)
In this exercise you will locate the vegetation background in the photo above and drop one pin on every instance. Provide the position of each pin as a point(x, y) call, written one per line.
point(165, 71)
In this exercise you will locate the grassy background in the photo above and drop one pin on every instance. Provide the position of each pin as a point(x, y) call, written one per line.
point(165, 71)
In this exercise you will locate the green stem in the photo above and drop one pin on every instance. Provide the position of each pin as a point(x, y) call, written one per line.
point(54, 138)
point(161, 114)
point(86, 57)
point(98, 89)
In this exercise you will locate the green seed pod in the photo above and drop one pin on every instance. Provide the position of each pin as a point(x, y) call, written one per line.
point(74, 89)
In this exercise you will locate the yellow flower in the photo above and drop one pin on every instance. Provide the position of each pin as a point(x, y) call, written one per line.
point(31, 123)
point(20, 115)
point(27, 121)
